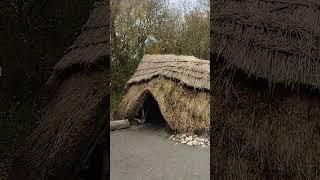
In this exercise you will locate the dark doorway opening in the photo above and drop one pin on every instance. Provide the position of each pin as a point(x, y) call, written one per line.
point(151, 115)
point(152, 112)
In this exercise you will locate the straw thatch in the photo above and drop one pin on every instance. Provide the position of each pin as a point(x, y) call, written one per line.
point(188, 70)
point(272, 39)
point(180, 86)
point(77, 113)
point(262, 128)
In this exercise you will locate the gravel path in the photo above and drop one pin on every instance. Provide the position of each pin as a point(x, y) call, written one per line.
point(146, 153)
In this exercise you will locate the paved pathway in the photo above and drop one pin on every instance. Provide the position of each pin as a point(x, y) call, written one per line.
point(145, 153)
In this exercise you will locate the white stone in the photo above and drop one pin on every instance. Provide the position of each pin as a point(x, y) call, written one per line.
point(189, 143)
point(183, 142)
point(195, 143)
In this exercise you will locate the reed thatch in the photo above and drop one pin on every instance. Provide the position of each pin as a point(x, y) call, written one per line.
point(272, 39)
point(77, 113)
point(180, 86)
point(262, 128)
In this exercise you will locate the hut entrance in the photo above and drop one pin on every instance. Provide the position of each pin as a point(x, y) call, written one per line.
point(150, 113)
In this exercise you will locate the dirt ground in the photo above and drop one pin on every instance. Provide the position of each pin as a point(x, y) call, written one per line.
point(145, 153)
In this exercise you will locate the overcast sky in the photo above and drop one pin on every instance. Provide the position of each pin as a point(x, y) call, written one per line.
point(179, 3)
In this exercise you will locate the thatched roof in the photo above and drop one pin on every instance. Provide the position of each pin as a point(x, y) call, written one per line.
point(273, 39)
point(91, 45)
point(89, 49)
point(76, 114)
point(188, 70)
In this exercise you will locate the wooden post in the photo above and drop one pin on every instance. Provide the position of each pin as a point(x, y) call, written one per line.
point(145, 114)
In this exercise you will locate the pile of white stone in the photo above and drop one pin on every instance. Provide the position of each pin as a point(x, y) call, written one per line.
point(191, 140)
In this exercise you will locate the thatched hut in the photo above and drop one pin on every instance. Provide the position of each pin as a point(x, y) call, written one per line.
point(176, 88)
point(77, 113)
point(265, 89)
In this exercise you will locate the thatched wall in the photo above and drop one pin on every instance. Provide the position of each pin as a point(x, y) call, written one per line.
point(179, 84)
point(258, 133)
point(77, 113)
point(273, 39)
point(184, 109)
point(265, 89)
